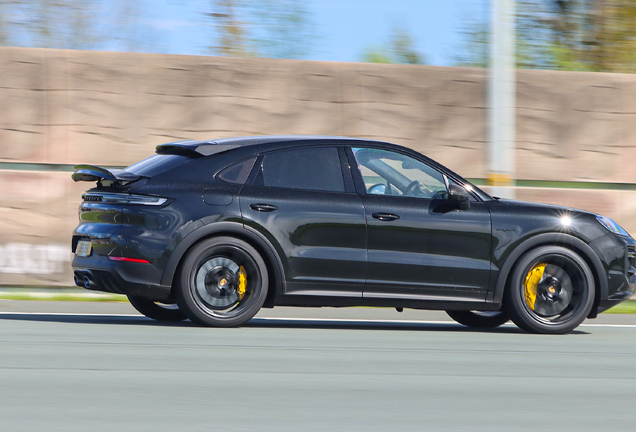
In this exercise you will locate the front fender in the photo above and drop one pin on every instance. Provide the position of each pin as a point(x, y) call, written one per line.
point(586, 252)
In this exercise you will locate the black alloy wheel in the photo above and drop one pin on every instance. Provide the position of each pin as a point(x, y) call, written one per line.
point(155, 310)
point(551, 291)
point(223, 282)
point(479, 319)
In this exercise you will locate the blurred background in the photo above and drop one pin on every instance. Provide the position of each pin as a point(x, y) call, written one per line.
point(104, 82)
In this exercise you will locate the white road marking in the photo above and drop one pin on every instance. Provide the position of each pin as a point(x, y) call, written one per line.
point(322, 320)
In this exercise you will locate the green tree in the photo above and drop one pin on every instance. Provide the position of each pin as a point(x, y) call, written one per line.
point(399, 49)
point(596, 35)
point(376, 55)
point(72, 24)
point(231, 30)
point(592, 35)
point(4, 18)
point(265, 28)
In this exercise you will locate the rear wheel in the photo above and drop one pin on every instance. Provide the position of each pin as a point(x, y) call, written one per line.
point(155, 310)
point(223, 282)
point(479, 319)
point(551, 291)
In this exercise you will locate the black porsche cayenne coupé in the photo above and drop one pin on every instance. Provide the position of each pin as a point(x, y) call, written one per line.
point(215, 230)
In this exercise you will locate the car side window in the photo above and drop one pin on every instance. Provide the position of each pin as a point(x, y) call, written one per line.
point(238, 172)
point(390, 173)
point(316, 169)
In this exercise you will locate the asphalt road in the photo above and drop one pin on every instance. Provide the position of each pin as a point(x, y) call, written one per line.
point(81, 366)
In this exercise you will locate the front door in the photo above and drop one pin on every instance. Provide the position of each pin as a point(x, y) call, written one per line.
point(420, 246)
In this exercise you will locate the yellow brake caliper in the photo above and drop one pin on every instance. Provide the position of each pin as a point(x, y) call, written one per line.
point(242, 283)
point(532, 280)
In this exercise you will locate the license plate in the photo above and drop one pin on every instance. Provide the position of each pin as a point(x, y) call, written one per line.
point(84, 248)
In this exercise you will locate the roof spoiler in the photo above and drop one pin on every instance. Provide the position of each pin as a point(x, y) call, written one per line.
point(194, 149)
point(95, 173)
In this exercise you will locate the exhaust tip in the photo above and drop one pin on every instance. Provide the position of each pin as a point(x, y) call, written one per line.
point(77, 280)
point(87, 282)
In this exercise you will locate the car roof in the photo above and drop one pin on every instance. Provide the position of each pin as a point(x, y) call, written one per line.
point(209, 147)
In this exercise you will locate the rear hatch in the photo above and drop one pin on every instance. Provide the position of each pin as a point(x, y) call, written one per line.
point(102, 208)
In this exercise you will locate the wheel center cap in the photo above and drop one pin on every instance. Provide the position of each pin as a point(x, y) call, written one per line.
point(552, 290)
point(216, 282)
point(220, 282)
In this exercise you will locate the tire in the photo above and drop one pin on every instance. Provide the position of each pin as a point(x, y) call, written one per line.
point(222, 282)
point(155, 310)
point(477, 319)
point(551, 291)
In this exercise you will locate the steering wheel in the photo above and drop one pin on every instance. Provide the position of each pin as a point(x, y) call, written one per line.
point(412, 187)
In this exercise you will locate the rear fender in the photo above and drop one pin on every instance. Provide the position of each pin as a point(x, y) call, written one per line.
point(225, 228)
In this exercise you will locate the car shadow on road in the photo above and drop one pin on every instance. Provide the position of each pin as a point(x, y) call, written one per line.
point(286, 323)
point(92, 319)
point(381, 325)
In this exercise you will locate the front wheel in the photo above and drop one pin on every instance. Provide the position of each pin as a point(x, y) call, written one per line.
point(155, 310)
point(223, 282)
point(551, 291)
point(478, 319)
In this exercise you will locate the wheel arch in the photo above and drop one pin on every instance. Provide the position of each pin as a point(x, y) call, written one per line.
point(556, 239)
point(236, 230)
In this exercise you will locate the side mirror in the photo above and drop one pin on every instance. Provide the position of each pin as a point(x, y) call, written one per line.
point(458, 195)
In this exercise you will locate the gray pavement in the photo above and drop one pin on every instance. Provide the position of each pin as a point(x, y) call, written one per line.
point(78, 366)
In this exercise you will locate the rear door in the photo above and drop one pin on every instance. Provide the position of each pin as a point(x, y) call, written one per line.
point(305, 203)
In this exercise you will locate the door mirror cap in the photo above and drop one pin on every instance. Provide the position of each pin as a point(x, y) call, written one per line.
point(458, 195)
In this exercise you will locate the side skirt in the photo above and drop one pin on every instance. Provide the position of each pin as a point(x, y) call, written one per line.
point(319, 301)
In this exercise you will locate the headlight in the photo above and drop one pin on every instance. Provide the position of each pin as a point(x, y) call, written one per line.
point(612, 226)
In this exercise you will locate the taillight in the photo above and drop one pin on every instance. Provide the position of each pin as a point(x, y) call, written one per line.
point(125, 259)
point(123, 199)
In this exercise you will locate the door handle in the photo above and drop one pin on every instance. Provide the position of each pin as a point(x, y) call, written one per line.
point(385, 216)
point(263, 207)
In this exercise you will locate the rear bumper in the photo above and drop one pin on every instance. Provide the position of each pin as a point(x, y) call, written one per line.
point(135, 279)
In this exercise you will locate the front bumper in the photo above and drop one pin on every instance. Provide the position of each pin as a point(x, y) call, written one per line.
point(628, 289)
point(134, 279)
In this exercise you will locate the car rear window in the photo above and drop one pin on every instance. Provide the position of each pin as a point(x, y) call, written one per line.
point(157, 164)
point(306, 168)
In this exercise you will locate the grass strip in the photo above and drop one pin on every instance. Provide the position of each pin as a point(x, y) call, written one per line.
point(65, 297)
point(627, 307)
point(58, 294)
point(563, 184)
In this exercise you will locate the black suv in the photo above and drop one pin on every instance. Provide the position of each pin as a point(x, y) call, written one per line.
point(215, 230)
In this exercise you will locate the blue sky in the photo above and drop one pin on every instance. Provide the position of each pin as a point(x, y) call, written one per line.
point(344, 28)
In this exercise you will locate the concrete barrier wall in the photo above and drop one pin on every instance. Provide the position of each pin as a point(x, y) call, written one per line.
point(69, 107)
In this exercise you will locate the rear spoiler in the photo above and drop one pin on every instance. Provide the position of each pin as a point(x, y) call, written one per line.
point(94, 173)
point(194, 149)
